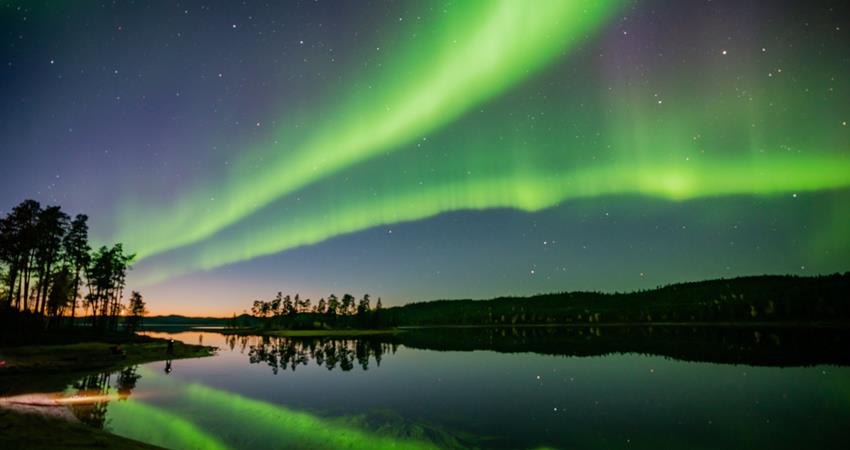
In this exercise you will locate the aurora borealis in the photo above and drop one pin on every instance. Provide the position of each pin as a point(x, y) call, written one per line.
point(420, 150)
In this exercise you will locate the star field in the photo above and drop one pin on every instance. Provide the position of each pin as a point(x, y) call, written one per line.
point(420, 150)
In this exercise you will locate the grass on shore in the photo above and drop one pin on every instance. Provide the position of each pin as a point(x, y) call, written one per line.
point(92, 356)
point(42, 368)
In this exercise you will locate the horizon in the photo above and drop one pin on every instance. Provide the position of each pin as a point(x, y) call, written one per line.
point(425, 224)
point(301, 148)
point(539, 294)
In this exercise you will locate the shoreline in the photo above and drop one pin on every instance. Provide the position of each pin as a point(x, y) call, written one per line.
point(51, 368)
point(353, 332)
point(303, 333)
point(89, 356)
point(727, 324)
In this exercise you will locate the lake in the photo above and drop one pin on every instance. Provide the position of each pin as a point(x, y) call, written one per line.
point(494, 388)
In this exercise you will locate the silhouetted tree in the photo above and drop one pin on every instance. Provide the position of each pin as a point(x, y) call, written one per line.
point(363, 306)
point(255, 308)
point(347, 304)
point(60, 292)
point(333, 305)
point(363, 310)
point(50, 228)
point(136, 310)
point(76, 248)
point(276, 304)
point(378, 315)
point(106, 274)
point(19, 239)
point(10, 249)
point(44, 259)
point(288, 307)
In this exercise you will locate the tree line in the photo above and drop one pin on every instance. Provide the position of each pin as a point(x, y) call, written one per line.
point(755, 299)
point(49, 270)
point(285, 311)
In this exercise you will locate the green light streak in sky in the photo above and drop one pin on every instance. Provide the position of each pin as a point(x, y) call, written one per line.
point(478, 50)
point(571, 132)
point(351, 210)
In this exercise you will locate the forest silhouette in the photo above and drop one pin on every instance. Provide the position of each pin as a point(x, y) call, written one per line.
point(767, 299)
point(50, 271)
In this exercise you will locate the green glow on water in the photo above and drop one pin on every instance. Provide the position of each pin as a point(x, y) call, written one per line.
point(195, 413)
point(294, 428)
point(137, 420)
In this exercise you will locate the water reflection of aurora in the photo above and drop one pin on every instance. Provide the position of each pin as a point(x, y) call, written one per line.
point(481, 390)
point(193, 410)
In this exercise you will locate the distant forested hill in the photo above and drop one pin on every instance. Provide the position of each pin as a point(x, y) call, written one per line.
point(746, 299)
point(756, 300)
point(178, 320)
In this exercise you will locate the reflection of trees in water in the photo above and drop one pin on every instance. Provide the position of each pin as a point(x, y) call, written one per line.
point(126, 381)
point(282, 353)
point(99, 387)
point(762, 346)
point(765, 345)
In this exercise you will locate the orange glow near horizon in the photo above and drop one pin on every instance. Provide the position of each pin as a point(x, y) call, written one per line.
point(222, 297)
point(214, 313)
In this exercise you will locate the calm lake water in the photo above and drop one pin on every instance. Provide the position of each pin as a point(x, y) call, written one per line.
point(396, 393)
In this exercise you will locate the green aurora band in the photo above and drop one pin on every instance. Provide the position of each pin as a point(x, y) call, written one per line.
point(303, 224)
point(414, 148)
point(481, 49)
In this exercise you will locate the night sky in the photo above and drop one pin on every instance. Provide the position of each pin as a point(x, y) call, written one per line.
point(418, 150)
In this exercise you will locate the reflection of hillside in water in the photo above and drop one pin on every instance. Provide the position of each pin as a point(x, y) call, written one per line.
point(759, 346)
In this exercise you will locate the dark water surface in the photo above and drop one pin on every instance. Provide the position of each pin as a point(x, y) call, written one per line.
point(493, 388)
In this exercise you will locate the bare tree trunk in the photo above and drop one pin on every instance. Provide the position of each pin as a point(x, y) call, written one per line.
point(27, 275)
point(20, 286)
point(43, 286)
point(74, 300)
point(46, 287)
point(26, 290)
point(37, 288)
point(119, 297)
point(94, 308)
point(13, 275)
